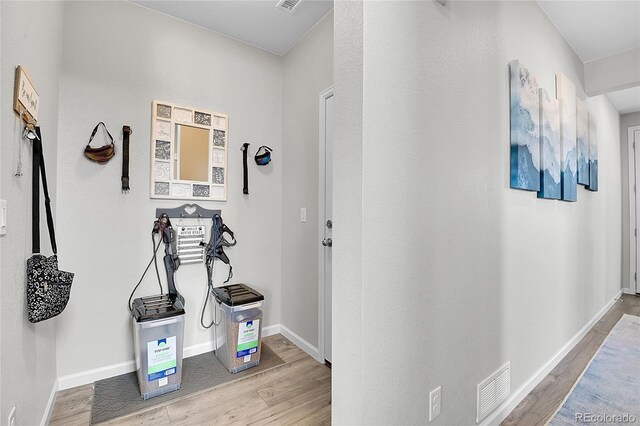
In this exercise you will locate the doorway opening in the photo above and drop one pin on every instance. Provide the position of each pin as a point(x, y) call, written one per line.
point(325, 227)
point(634, 211)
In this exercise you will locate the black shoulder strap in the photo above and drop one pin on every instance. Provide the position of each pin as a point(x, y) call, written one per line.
point(126, 131)
point(95, 130)
point(38, 166)
point(245, 173)
point(35, 196)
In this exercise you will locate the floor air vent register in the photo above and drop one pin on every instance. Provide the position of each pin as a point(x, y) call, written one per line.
point(493, 391)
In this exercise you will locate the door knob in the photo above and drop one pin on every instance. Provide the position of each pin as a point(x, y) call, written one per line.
point(327, 242)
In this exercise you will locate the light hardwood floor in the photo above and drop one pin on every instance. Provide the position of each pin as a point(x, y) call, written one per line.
point(538, 407)
point(297, 392)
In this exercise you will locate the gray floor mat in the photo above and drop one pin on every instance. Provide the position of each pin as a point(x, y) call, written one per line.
point(119, 396)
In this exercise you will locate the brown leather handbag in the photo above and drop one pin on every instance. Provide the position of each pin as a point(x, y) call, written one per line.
point(104, 153)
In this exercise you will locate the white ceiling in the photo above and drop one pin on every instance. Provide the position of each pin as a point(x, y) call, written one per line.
point(626, 101)
point(256, 22)
point(596, 29)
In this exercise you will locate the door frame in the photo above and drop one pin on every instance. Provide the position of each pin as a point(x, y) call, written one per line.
point(632, 209)
point(324, 95)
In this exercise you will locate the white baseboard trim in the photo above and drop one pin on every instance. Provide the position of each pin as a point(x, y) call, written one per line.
point(627, 291)
point(48, 410)
point(89, 376)
point(301, 343)
point(200, 348)
point(271, 330)
point(209, 346)
point(512, 402)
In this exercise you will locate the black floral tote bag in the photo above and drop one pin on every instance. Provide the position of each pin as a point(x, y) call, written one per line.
point(48, 288)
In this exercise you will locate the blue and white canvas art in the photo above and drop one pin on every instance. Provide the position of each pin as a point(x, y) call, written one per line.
point(593, 155)
point(525, 129)
point(583, 143)
point(566, 94)
point(550, 150)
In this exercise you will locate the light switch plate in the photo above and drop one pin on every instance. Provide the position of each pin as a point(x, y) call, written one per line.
point(11, 419)
point(435, 403)
point(3, 217)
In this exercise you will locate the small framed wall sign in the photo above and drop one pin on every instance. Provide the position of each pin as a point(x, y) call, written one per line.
point(26, 101)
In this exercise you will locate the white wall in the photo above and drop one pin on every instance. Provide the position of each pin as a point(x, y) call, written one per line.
point(0, 243)
point(459, 273)
point(31, 36)
point(117, 58)
point(626, 121)
point(307, 71)
point(347, 378)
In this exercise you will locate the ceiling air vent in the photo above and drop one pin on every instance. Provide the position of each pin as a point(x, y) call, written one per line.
point(493, 391)
point(288, 5)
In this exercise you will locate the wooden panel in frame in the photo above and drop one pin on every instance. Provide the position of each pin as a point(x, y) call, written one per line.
point(566, 95)
point(26, 101)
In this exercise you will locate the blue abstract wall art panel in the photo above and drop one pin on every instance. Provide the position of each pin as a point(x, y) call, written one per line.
point(593, 155)
point(566, 94)
point(550, 151)
point(525, 129)
point(583, 143)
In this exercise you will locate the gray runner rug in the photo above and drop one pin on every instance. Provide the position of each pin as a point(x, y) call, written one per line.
point(608, 392)
point(120, 395)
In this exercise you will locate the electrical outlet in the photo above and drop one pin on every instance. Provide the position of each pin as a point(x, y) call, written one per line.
point(3, 217)
point(11, 420)
point(303, 214)
point(435, 403)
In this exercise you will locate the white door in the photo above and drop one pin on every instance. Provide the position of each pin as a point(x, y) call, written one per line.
point(635, 198)
point(327, 223)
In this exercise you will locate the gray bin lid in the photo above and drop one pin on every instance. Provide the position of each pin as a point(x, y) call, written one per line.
point(237, 295)
point(157, 307)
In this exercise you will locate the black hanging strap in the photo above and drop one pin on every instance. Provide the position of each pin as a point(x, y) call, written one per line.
point(35, 197)
point(126, 131)
point(245, 149)
point(95, 130)
point(38, 166)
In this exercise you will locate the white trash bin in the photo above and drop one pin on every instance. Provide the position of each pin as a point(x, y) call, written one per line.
point(240, 328)
point(158, 334)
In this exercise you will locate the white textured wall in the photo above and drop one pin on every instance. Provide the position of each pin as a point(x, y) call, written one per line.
point(117, 58)
point(31, 36)
point(459, 273)
point(347, 393)
point(626, 121)
point(307, 71)
point(0, 243)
